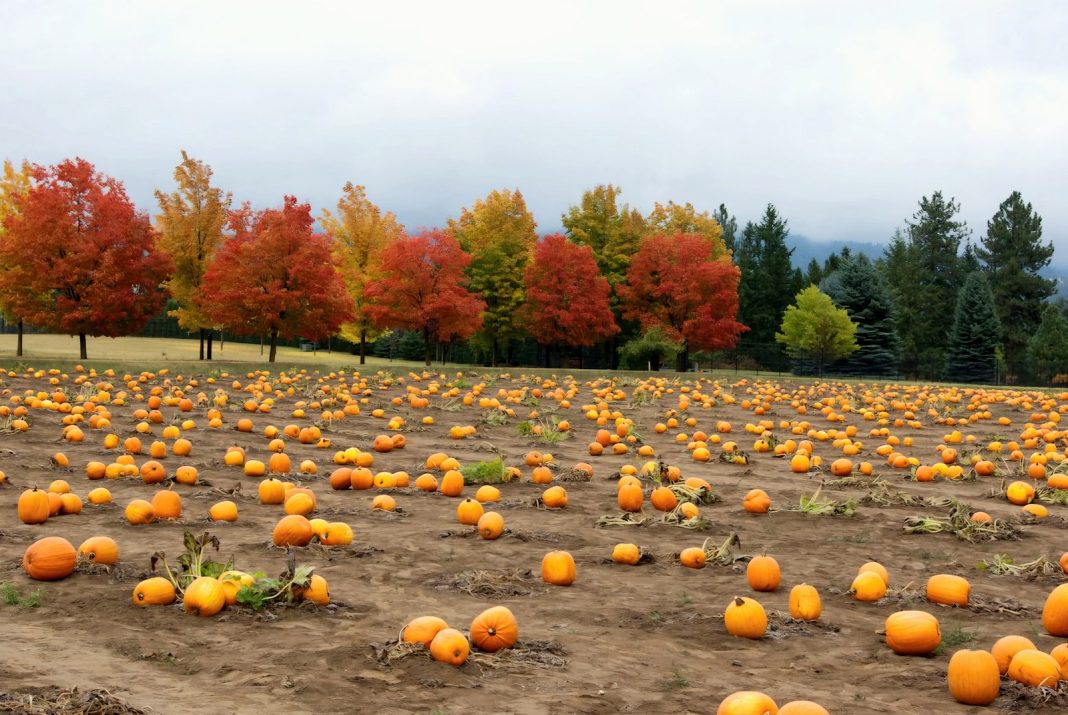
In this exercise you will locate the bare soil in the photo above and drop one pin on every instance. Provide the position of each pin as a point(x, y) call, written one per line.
point(641, 639)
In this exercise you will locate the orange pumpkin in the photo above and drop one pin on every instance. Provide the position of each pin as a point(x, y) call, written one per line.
point(948, 590)
point(912, 632)
point(450, 646)
point(757, 501)
point(223, 511)
point(140, 512)
point(152, 472)
point(100, 550)
point(630, 497)
point(747, 702)
point(805, 604)
point(558, 568)
point(423, 629)
point(1055, 612)
point(167, 504)
point(628, 554)
point(205, 597)
point(973, 677)
point(293, 530)
point(494, 629)
point(490, 525)
point(1006, 647)
point(1034, 668)
point(763, 573)
point(746, 618)
point(155, 591)
point(452, 483)
point(49, 559)
point(33, 506)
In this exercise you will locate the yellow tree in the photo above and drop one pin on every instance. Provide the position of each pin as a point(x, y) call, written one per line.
point(676, 218)
point(499, 233)
point(190, 224)
point(13, 183)
point(360, 233)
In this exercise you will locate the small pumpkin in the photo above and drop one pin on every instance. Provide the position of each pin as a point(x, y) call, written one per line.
point(756, 501)
point(155, 591)
point(234, 581)
point(912, 632)
point(868, 586)
point(1055, 612)
point(205, 596)
point(429, 483)
point(693, 557)
point(763, 573)
point(746, 618)
point(341, 478)
point(299, 503)
point(139, 512)
point(452, 483)
point(1020, 493)
point(99, 496)
point(49, 559)
point(70, 503)
point(973, 677)
point(486, 493)
point(167, 504)
point(628, 554)
point(803, 707)
point(450, 646)
point(423, 629)
point(99, 550)
point(1034, 668)
point(948, 590)
point(469, 511)
point(336, 533)
point(747, 702)
point(558, 568)
point(805, 604)
point(630, 497)
point(490, 525)
point(663, 499)
point(34, 506)
point(384, 502)
point(317, 591)
point(494, 629)
point(1006, 647)
point(875, 567)
point(225, 510)
point(293, 530)
point(152, 472)
point(554, 497)
point(272, 491)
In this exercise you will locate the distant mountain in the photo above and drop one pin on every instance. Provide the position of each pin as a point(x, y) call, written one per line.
point(805, 249)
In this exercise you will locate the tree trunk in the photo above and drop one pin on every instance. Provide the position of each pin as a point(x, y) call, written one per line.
point(274, 345)
point(81, 346)
point(211, 336)
point(654, 362)
point(493, 353)
point(18, 349)
point(426, 347)
point(363, 347)
point(580, 357)
point(683, 358)
point(202, 331)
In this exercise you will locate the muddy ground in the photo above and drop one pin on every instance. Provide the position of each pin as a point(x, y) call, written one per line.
point(640, 639)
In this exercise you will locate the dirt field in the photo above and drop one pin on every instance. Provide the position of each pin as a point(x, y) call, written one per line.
point(638, 639)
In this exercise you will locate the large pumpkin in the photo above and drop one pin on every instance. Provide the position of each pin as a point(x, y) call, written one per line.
point(204, 597)
point(50, 559)
point(34, 507)
point(746, 618)
point(912, 632)
point(948, 590)
point(1034, 668)
point(630, 497)
point(494, 629)
point(763, 573)
point(1055, 612)
point(558, 568)
point(973, 677)
point(293, 530)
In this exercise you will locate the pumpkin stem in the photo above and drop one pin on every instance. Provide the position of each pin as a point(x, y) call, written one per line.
point(739, 601)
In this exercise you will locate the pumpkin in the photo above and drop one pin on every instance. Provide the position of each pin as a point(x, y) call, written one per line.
point(756, 501)
point(746, 618)
point(384, 502)
point(912, 632)
point(182, 448)
point(494, 629)
point(486, 493)
point(152, 472)
point(95, 470)
point(362, 478)
point(155, 591)
point(868, 586)
point(299, 503)
point(763, 573)
point(70, 504)
point(49, 559)
point(1034, 668)
point(223, 511)
point(800, 463)
point(805, 604)
point(663, 499)
point(452, 483)
point(1055, 612)
point(272, 491)
point(205, 596)
point(630, 497)
point(293, 530)
point(317, 591)
point(59, 486)
point(55, 503)
point(628, 554)
point(948, 590)
point(554, 497)
point(429, 483)
point(99, 550)
point(341, 478)
point(490, 525)
point(100, 495)
point(1005, 648)
point(186, 475)
point(973, 677)
point(747, 702)
point(255, 468)
point(33, 506)
point(469, 511)
point(1060, 654)
point(450, 646)
point(140, 511)
point(803, 707)
point(693, 557)
point(336, 533)
point(876, 567)
point(541, 475)
point(167, 504)
point(1020, 493)
point(234, 581)
point(558, 568)
point(423, 629)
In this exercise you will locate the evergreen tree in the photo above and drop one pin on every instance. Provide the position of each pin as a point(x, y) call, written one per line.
point(974, 338)
point(861, 291)
point(729, 224)
point(1048, 347)
point(767, 285)
point(813, 274)
point(1013, 253)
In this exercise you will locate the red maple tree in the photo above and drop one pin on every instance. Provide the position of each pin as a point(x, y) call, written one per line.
point(78, 258)
point(674, 283)
point(424, 288)
point(275, 277)
point(567, 298)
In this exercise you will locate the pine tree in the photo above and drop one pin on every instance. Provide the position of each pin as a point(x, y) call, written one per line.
point(973, 340)
point(767, 285)
point(813, 274)
point(861, 291)
point(1012, 254)
point(729, 224)
point(1048, 347)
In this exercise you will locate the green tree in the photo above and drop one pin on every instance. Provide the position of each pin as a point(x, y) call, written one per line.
point(813, 274)
point(1012, 254)
point(360, 233)
point(1048, 347)
point(974, 337)
point(767, 284)
point(190, 224)
point(499, 233)
point(652, 348)
point(729, 224)
point(861, 291)
point(673, 219)
point(814, 329)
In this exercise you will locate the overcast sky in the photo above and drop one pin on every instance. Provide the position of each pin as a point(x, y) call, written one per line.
point(841, 113)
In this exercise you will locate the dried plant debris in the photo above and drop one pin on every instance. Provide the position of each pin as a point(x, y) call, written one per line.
point(59, 701)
